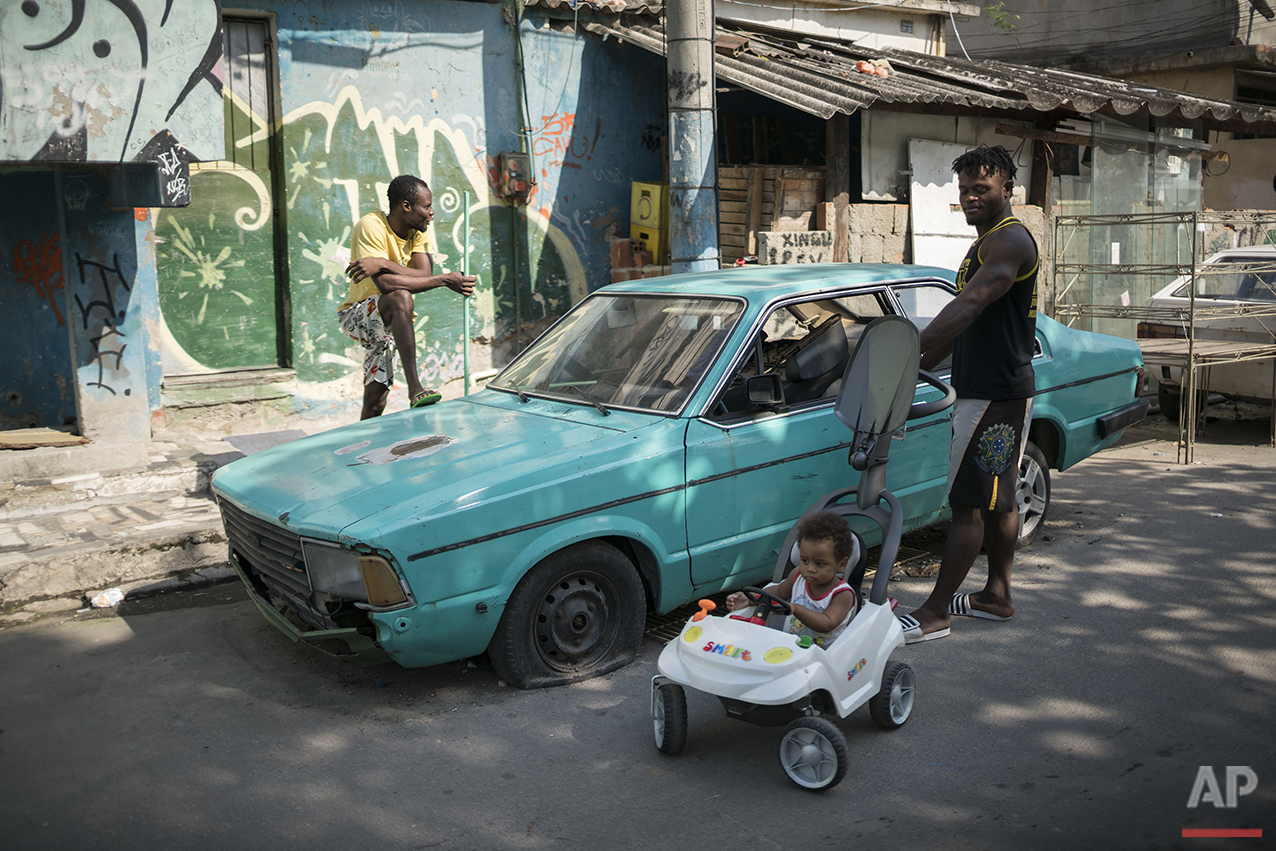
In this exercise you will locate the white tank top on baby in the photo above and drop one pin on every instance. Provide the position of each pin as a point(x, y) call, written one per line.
point(802, 596)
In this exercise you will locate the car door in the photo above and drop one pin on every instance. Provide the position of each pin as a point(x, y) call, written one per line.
point(752, 471)
point(919, 476)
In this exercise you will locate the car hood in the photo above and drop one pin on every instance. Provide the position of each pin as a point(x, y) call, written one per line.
point(424, 463)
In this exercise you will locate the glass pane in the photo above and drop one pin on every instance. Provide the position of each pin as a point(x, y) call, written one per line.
point(922, 303)
point(647, 352)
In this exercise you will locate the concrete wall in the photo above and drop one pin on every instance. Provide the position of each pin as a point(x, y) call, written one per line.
point(884, 139)
point(879, 233)
point(101, 86)
point(79, 303)
point(370, 90)
point(919, 25)
point(1247, 181)
point(1047, 32)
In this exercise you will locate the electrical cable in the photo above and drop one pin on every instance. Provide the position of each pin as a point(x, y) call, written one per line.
point(952, 18)
point(528, 132)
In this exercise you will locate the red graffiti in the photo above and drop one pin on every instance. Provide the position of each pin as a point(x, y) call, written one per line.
point(557, 140)
point(40, 266)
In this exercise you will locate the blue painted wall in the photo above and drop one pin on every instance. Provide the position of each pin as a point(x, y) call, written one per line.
point(38, 385)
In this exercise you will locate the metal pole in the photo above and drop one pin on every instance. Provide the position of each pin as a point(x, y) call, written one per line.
point(1187, 403)
point(465, 300)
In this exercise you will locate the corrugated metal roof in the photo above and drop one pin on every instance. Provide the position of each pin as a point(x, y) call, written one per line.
point(652, 7)
point(819, 76)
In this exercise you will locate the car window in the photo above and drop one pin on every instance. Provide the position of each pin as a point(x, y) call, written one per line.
point(1242, 278)
point(921, 303)
point(806, 344)
point(1259, 286)
point(630, 351)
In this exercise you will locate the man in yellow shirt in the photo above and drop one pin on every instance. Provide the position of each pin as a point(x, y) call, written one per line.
point(390, 263)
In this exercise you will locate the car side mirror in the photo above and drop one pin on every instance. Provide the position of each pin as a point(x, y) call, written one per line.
point(764, 390)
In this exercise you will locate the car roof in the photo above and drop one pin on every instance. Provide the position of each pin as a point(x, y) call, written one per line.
point(1264, 251)
point(767, 282)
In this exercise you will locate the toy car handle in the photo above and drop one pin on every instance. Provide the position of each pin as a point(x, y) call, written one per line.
point(925, 409)
point(782, 605)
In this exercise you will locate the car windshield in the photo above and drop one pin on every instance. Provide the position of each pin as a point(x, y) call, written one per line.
point(625, 351)
point(1242, 278)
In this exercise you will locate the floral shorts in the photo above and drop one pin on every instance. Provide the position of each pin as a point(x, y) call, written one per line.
point(363, 322)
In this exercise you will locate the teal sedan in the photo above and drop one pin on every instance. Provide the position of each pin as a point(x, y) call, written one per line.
point(635, 457)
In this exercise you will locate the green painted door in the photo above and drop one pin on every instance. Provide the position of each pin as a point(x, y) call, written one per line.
point(221, 299)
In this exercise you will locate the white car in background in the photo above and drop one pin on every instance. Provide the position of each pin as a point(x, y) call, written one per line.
point(1240, 278)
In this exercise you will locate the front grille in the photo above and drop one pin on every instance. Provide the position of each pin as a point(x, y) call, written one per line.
point(272, 552)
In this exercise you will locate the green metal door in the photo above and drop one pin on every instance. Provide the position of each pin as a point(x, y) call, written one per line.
point(221, 300)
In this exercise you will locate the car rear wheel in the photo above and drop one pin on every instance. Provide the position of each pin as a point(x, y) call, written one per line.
point(1032, 497)
point(1170, 398)
point(578, 614)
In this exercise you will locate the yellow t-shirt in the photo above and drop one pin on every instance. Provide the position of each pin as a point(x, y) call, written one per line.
point(373, 237)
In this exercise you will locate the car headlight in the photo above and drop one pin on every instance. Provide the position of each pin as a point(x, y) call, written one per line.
point(346, 573)
point(381, 582)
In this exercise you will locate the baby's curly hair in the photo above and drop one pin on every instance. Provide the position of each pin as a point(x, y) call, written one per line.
point(828, 526)
point(985, 160)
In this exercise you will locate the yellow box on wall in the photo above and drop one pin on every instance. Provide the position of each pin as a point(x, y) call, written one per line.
point(649, 206)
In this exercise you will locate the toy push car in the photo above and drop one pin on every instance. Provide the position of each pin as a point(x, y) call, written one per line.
point(769, 677)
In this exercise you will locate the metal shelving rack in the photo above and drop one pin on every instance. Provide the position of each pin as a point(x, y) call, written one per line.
point(1194, 356)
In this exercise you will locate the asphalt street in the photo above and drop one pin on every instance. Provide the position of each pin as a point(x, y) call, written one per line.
point(1143, 649)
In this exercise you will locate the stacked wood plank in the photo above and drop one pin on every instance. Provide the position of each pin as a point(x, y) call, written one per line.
point(756, 198)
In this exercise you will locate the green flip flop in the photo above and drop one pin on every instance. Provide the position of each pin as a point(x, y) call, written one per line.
point(425, 398)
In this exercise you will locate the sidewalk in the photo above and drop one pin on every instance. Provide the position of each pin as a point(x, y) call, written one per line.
point(64, 540)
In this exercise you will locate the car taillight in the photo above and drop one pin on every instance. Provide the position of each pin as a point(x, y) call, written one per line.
point(1158, 331)
point(1140, 382)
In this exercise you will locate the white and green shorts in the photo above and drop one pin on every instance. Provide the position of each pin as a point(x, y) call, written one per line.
point(362, 322)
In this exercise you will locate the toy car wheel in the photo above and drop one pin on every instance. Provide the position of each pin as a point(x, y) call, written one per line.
point(813, 753)
point(893, 703)
point(1032, 497)
point(669, 718)
point(576, 615)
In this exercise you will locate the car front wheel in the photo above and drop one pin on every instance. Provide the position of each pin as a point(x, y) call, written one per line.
point(578, 614)
point(1032, 497)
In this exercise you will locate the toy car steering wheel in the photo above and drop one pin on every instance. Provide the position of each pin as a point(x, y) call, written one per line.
point(766, 602)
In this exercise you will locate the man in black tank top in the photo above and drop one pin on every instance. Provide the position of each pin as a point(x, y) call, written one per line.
point(990, 329)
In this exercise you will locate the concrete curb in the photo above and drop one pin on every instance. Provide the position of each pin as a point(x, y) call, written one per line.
point(134, 566)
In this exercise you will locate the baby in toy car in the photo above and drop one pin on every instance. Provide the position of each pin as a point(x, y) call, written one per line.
point(819, 600)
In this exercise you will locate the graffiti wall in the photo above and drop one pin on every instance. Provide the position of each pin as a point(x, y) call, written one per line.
point(74, 273)
point(102, 80)
point(370, 90)
point(38, 388)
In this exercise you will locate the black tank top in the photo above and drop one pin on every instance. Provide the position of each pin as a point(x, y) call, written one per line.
point(992, 359)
